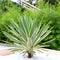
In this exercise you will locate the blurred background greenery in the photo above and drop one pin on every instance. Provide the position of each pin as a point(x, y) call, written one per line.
point(49, 12)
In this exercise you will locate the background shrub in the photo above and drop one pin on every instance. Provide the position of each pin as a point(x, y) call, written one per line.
point(13, 11)
point(51, 13)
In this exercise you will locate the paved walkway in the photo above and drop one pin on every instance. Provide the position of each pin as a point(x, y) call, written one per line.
point(5, 52)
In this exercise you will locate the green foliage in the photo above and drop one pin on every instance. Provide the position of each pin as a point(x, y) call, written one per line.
point(3, 4)
point(51, 13)
point(13, 10)
point(27, 34)
point(51, 2)
point(12, 13)
point(32, 14)
point(47, 13)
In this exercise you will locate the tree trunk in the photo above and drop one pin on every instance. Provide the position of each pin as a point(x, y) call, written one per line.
point(29, 55)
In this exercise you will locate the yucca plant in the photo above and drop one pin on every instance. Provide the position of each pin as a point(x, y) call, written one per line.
point(26, 35)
